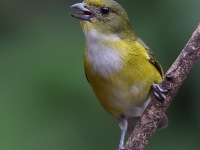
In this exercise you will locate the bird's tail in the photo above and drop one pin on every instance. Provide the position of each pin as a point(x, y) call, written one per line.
point(132, 121)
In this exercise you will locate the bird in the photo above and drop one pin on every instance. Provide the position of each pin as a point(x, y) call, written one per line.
point(120, 68)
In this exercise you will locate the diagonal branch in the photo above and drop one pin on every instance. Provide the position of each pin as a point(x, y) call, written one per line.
point(172, 81)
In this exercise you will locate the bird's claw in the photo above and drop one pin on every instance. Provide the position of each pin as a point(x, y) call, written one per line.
point(159, 92)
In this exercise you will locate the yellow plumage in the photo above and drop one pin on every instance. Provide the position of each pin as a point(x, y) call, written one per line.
point(118, 65)
point(129, 86)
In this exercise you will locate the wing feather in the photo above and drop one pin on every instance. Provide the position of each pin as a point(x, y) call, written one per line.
point(152, 58)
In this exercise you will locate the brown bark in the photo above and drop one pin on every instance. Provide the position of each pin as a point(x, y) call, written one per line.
point(172, 81)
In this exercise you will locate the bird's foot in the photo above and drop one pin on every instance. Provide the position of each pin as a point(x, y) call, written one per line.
point(121, 148)
point(123, 124)
point(159, 92)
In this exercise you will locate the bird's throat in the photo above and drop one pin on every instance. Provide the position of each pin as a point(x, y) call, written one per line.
point(101, 53)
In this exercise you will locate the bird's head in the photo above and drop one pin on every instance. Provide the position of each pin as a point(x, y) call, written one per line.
point(105, 16)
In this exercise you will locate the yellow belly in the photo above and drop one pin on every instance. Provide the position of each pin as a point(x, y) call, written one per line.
point(121, 79)
point(126, 91)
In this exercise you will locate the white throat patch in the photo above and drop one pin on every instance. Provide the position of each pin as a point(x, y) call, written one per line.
point(105, 60)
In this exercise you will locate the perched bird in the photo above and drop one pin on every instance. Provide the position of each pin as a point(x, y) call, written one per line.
point(119, 66)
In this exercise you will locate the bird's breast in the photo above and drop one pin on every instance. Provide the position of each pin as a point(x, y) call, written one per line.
point(119, 73)
point(101, 53)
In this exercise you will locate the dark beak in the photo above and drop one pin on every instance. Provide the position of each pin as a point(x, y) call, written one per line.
point(86, 14)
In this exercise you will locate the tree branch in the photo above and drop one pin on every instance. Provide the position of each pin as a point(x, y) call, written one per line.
point(172, 81)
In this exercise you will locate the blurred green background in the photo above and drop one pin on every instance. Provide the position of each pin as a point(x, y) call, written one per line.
point(45, 100)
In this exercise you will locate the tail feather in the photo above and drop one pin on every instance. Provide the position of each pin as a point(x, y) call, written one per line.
point(132, 121)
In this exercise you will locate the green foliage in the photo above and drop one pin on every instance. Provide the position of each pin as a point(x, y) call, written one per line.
point(45, 100)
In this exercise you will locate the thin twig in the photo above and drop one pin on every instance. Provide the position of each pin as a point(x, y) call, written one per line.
point(172, 81)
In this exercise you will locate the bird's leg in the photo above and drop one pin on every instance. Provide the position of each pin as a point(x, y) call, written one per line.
point(123, 124)
point(159, 92)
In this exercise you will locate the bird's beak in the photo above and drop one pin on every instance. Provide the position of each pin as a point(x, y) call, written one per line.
point(86, 14)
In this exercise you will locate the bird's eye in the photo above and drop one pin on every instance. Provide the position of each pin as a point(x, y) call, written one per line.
point(105, 10)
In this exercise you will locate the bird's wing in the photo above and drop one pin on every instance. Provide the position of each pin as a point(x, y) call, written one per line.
point(152, 58)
